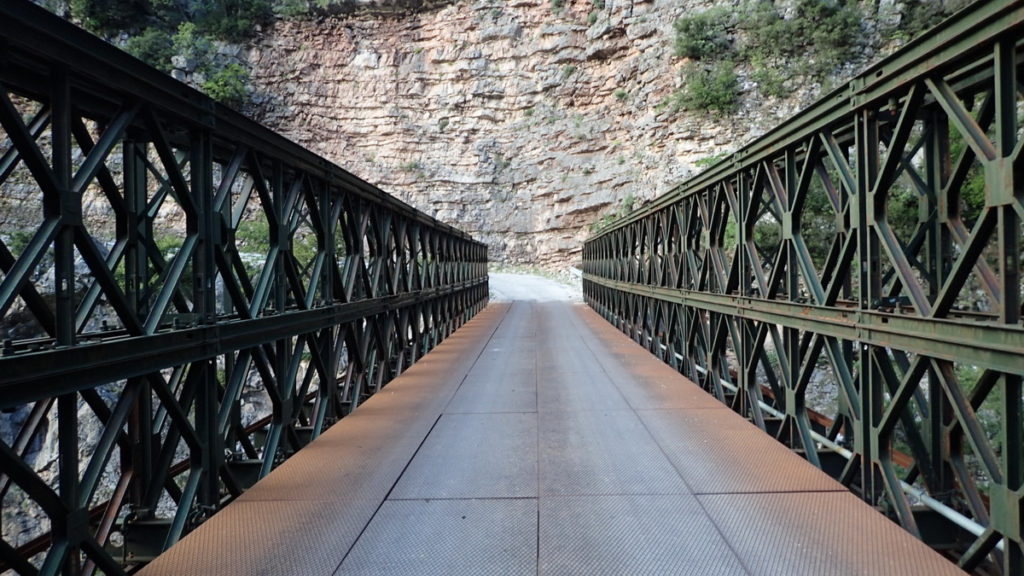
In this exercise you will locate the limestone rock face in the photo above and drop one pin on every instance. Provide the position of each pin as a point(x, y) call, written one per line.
point(513, 120)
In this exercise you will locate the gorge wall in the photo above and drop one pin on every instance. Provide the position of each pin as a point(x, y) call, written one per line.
point(520, 121)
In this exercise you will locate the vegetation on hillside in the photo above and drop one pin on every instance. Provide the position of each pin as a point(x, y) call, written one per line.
point(776, 50)
point(811, 42)
point(156, 31)
point(222, 19)
point(620, 210)
point(776, 47)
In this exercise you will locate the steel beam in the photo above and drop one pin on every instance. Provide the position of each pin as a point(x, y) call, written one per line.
point(218, 297)
point(862, 259)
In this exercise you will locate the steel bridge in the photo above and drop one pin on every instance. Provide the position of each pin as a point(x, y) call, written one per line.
point(199, 318)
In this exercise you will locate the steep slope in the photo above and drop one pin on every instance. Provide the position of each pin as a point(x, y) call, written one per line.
point(520, 121)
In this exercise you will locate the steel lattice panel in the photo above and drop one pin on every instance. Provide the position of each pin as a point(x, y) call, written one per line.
point(205, 294)
point(851, 282)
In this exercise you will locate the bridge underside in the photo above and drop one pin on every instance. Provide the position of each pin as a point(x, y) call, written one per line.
point(538, 439)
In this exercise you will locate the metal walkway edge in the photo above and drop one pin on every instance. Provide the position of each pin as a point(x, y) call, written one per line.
point(539, 440)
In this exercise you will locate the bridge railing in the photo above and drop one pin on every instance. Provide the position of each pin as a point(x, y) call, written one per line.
point(186, 299)
point(851, 281)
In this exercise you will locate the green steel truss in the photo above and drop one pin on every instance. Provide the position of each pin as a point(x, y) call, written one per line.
point(851, 281)
point(178, 262)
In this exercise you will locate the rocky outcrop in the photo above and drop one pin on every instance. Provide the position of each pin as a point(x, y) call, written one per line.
point(516, 120)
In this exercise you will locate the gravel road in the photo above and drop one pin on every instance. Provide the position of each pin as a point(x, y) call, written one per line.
point(510, 287)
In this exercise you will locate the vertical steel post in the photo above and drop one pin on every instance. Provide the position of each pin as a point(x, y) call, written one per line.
point(68, 529)
point(1008, 500)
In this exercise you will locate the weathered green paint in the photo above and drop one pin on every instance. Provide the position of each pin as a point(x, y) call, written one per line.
point(318, 328)
point(878, 312)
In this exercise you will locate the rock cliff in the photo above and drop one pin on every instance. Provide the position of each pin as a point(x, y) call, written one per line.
point(519, 121)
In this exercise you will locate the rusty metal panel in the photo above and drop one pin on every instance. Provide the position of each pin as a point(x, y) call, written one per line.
point(717, 451)
point(331, 468)
point(602, 452)
point(818, 534)
point(281, 538)
point(637, 535)
point(474, 456)
point(442, 537)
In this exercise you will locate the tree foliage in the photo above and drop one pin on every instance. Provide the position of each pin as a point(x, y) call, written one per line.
point(106, 17)
point(228, 20)
point(820, 34)
point(233, 20)
point(704, 35)
point(817, 36)
point(154, 47)
point(711, 88)
point(920, 15)
point(159, 30)
point(228, 85)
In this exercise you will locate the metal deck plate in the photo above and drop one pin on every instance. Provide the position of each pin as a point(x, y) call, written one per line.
point(719, 452)
point(519, 322)
point(334, 461)
point(475, 456)
point(504, 377)
point(503, 380)
point(569, 375)
point(269, 539)
point(644, 384)
point(567, 354)
point(636, 535)
point(559, 391)
point(819, 534)
point(602, 453)
point(647, 386)
point(448, 538)
point(613, 496)
point(427, 386)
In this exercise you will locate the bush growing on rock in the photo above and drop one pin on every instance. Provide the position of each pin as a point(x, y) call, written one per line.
point(106, 17)
point(233, 20)
point(824, 30)
point(818, 36)
point(713, 88)
point(228, 85)
point(154, 47)
point(704, 35)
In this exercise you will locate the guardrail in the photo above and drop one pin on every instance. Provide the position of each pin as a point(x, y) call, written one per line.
point(862, 261)
point(187, 298)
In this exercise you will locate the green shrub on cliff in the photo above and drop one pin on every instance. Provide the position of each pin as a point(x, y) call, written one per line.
point(233, 20)
point(817, 37)
point(820, 35)
point(710, 88)
point(107, 17)
point(154, 47)
point(704, 35)
point(228, 85)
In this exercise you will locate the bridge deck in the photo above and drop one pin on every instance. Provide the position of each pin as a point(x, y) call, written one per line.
point(537, 439)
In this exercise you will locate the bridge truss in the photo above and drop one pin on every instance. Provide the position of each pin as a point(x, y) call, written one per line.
point(187, 298)
point(851, 281)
